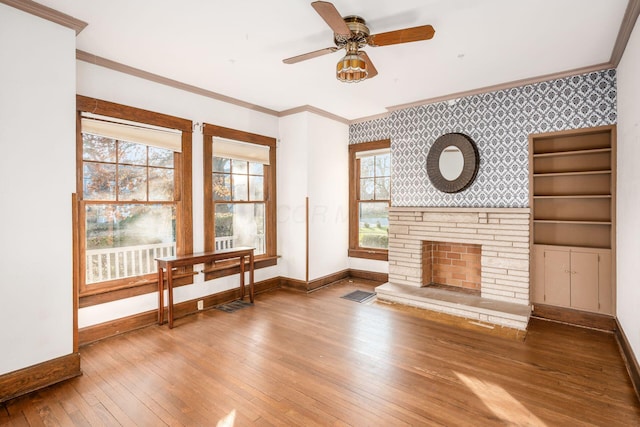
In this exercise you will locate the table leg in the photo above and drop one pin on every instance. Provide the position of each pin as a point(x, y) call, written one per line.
point(160, 296)
point(251, 283)
point(170, 292)
point(242, 277)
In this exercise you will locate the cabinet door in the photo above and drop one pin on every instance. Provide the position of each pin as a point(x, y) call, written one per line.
point(584, 281)
point(557, 278)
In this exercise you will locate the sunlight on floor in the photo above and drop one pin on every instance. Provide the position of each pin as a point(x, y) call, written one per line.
point(228, 420)
point(500, 402)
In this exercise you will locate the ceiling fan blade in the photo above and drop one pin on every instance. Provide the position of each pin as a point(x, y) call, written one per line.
point(309, 55)
point(332, 17)
point(424, 32)
point(371, 69)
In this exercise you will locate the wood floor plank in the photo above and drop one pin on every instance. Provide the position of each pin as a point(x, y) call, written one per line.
point(319, 360)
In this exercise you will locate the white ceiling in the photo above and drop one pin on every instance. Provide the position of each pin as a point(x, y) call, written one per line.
point(236, 48)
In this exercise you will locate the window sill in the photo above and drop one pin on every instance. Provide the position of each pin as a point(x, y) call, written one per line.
point(379, 254)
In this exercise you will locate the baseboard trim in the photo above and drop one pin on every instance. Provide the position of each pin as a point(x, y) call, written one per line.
point(369, 275)
point(141, 320)
point(629, 358)
point(32, 378)
point(575, 317)
point(316, 284)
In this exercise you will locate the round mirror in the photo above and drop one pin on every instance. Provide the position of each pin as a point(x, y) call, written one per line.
point(452, 162)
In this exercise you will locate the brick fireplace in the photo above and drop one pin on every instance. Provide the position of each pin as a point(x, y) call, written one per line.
point(493, 245)
point(453, 265)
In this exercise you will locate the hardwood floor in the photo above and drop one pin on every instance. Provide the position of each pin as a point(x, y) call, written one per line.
point(318, 359)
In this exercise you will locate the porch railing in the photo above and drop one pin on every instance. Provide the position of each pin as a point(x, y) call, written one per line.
point(127, 261)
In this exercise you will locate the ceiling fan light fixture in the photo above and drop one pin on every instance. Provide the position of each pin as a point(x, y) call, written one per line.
point(352, 68)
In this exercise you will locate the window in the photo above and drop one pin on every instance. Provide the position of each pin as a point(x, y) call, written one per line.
point(240, 192)
point(132, 194)
point(369, 199)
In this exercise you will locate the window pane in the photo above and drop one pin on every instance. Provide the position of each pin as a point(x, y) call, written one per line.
point(124, 240)
point(256, 168)
point(239, 166)
point(240, 225)
point(373, 229)
point(256, 188)
point(98, 148)
point(98, 181)
point(367, 166)
point(160, 157)
point(382, 188)
point(132, 153)
point(366, 189)
point(160, 184)
point(383, 165)
point(221, 186)
point(132, 183)
point(221, 165)
point(240, 187)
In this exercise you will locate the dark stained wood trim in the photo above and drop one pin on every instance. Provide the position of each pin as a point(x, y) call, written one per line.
point(141, 320)
point(136, 72)
point(75, 268)
point(315, 284)
point(628, 23)
point(26, 380)
point(629, 358)
point(354, 187)
point(298, 285)
point(234, 268)
point(125, 112)
point(271, 199)
point(369, 275)
point(47, 13)
point(575, 317)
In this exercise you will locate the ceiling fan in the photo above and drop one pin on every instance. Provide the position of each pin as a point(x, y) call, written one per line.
point(352, 34)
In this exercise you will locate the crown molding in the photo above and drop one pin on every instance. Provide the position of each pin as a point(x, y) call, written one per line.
point(503, 86)
point(369, 118)
point(628, 23)
point(136, 72)
point(314, 110)
point(47, 13)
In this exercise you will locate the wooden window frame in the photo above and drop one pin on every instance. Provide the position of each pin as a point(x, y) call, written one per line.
point(128, 287)
point(269, 258)
point(355, 251)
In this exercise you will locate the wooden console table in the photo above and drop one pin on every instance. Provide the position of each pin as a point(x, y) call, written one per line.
point(169, 263)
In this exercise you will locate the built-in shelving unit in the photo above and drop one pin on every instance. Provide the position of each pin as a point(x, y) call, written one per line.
point(572, 198)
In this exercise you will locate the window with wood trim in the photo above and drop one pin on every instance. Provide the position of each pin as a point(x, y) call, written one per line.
point(369, 199)
point(134, 195)
point(240, 193)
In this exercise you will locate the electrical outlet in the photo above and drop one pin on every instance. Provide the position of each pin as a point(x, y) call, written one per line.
point(201, 305)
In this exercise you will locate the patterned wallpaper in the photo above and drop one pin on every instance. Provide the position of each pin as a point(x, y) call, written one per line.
point(500, 123)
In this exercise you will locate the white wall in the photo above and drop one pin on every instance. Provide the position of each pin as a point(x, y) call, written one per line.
point(628, 199)
point(109, 85)
point(293, 167)
point(37, 178)
point(328, 179)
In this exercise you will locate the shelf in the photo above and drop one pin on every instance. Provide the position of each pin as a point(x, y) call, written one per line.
point(572, 152)
point(578, 222)
point(593, 172)
point(576, 196)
